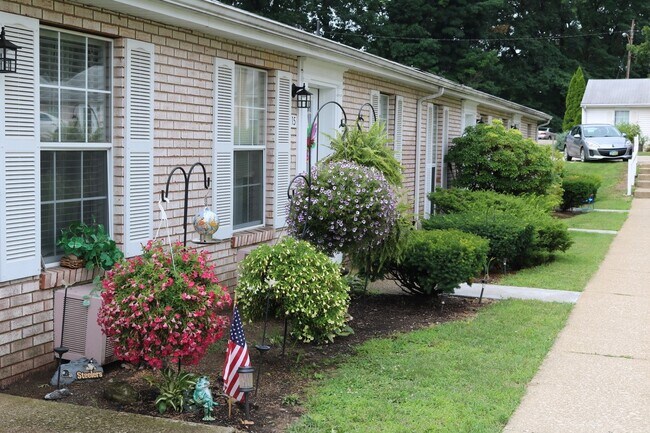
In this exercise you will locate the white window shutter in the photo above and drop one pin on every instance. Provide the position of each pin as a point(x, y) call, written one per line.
point(138, 153)
point(399, 124)
point(282, 147)
point(223, 146)
point(20, 222)
point(374, 101)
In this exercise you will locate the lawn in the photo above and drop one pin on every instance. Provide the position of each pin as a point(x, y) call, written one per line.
point(597, 220)
point(570, 270)
point(611, 194)
point(464, 376)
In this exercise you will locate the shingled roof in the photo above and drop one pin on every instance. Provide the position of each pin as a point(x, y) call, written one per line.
point(632, 92)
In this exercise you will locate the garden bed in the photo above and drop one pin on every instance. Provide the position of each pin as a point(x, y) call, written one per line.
point(284, 378)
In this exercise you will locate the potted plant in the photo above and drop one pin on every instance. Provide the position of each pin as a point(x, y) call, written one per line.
point(89, 244)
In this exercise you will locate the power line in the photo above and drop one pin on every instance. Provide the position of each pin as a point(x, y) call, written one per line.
point(586, 35)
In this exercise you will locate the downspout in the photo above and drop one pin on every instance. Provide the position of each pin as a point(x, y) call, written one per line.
point(418, 147)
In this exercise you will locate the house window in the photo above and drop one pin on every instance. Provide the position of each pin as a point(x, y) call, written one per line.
point(382, 115)
point(75, 115)
point(621, 117)
point(249, 146)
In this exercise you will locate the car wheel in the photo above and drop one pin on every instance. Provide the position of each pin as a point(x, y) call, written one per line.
point(567, 157)
point(583, 157)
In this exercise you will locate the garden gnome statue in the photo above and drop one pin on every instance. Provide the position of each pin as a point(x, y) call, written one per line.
point(203, 397)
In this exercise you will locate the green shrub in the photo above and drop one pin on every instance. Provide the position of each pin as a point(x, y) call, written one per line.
point(510, 237)
point(302, 284)
point(578, 189)
point(560, 140)
point(491, 157)
point(90, 243)
point(368, 148)
point(438, 261)
point(631, 130)
point(551, 235)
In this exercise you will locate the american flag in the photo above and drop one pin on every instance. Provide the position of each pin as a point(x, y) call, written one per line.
point(236, 356)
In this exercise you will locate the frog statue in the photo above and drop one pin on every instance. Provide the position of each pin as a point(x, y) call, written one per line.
point(203, 397)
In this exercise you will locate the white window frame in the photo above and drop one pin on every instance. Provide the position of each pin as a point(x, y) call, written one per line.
point(84, 146)
point(263, 148)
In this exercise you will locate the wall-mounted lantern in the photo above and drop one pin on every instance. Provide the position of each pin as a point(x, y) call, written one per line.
point(302, 95)
point(8, 55)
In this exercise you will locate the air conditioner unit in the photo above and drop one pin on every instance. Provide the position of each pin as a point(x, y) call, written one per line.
point(81, 333)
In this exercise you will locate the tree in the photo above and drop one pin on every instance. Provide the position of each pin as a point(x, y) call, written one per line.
point(641, 52)
point(573, 112)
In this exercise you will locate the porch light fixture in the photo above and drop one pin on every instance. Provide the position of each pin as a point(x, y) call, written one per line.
point(246, 386)
point(8, 55)
point(302, 95)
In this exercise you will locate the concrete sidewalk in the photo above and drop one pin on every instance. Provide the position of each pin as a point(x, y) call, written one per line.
point(26, 415)
point(596, 378)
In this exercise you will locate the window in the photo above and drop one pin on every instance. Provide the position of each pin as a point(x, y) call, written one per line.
point(75, 113)
point(249, 146)
point(621, 117)
point(382, 115)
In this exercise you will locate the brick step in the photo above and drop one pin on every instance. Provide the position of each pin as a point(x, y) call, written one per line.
point(643, 169)
point(643, 183)
point(642, 193)
point(643, 176)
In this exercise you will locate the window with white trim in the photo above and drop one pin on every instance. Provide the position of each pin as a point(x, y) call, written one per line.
point(382, 114)
point(75, 116)
point(249, 146)
point(621, 116)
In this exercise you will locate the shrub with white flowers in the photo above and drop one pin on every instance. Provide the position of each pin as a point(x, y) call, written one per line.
point(349, 208)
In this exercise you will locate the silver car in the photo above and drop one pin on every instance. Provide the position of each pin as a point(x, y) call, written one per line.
point(598, 141)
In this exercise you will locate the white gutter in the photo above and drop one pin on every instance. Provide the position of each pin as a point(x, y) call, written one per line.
point(418, 146)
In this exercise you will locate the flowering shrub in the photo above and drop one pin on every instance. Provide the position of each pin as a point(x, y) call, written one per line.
point(302, 284)
point(157, 311)
point(349, 208)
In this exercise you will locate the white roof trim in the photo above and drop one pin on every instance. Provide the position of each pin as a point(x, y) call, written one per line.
point(214, 18)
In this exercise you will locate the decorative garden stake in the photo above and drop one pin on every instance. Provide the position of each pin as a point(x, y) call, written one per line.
point(203, 397)
point(186, 175)
point(263, 347)
point(246, 386)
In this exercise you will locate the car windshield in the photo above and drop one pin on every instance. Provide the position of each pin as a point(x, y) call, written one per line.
point(601, 131)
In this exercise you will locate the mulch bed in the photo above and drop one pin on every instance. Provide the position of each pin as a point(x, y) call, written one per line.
point(285, 378)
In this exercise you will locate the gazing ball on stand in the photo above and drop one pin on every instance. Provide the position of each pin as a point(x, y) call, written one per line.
point(206, 224)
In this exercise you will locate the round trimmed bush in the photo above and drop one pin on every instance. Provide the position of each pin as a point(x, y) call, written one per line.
point(578, 189)
point(302, 284)
point(437, 261)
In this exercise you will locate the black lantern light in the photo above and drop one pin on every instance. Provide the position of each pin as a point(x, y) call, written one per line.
point(8, 55)
point(246, 385)
point(302, 95)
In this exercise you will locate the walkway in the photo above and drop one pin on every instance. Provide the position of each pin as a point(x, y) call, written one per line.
point(596, 378)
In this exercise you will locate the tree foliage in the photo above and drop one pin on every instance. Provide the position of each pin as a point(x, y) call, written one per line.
point(573, 112)
point(491, 157)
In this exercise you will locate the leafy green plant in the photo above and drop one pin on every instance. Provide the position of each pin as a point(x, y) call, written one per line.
point(551, 235)
point(631, 130)
point(90, 243)
point(560, 140)
point(438, 261)
point(491, 157)
point(510, 238)
point(174, 389)
point(368, 148)
point(291, 400)
point(302, 285)
point(578, 189)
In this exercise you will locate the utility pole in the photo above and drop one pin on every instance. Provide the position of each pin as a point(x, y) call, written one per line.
point(630, 39)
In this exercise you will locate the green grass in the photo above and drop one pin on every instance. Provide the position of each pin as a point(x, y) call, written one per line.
point(611, 194)
point(597, 220)
point(464, 376)
point(571, 270)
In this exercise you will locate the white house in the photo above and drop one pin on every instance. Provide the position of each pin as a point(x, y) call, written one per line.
point(618, 101)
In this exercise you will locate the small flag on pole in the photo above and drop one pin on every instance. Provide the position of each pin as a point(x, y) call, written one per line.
point(236, 356)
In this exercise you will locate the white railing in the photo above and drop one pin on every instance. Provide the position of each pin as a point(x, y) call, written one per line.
point(631, 165)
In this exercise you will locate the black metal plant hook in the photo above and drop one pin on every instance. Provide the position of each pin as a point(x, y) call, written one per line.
point(360, 117)
point(164, 194)
point(344, 125)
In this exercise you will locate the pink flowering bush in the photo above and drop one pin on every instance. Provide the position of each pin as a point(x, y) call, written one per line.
point(157, 311)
